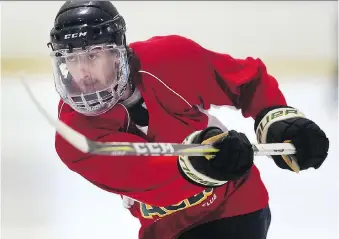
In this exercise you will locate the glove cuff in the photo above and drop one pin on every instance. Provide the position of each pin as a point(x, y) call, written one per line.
point(272, 116)
point(186, 168)
point(263, 112)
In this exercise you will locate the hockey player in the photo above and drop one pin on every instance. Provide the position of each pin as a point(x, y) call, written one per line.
point(160, 90)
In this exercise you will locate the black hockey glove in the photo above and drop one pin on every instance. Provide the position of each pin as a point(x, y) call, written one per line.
point(287, 124)
point(232, 161)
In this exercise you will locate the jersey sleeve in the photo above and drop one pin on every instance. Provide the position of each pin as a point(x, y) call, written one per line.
point(246, 82)
point(149, 179)
point(242, 83)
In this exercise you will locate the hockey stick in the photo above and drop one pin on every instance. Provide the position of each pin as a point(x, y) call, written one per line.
point(86, 145)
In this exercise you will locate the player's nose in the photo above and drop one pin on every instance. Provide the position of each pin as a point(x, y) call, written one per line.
point(84, 72)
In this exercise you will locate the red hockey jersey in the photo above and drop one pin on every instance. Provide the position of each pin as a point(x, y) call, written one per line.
point(178, 78)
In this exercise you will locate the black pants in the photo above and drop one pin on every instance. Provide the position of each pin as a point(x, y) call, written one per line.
point(250, 226)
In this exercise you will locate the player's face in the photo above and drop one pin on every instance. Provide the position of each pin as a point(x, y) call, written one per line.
point(93, 78)
point(92, 71)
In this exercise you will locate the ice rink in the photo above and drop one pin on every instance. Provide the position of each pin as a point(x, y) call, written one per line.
point(42, 199)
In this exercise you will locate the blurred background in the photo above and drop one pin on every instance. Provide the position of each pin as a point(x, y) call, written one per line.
point(41, 198)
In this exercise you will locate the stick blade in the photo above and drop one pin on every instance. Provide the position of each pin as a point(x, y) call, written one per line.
point(78, 140)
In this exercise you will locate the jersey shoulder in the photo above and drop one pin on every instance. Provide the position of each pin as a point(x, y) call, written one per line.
point(161, 41)
point(166, 49)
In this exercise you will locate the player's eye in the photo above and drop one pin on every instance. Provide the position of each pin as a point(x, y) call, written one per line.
point(71, 58)
point(92, 56)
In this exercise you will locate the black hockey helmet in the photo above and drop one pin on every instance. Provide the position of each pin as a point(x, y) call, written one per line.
point(81, 23)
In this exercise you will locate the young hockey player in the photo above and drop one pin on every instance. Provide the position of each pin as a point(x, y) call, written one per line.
point(160, 90)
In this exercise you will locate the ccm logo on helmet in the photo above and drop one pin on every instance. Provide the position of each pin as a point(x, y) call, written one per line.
point(75, 35)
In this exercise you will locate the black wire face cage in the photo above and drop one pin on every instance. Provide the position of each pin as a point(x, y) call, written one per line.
point(91, 80)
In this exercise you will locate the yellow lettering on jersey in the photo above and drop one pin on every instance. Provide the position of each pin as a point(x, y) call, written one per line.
point(148, 211)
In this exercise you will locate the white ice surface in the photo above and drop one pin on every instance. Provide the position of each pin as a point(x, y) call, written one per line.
point(41, 198)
